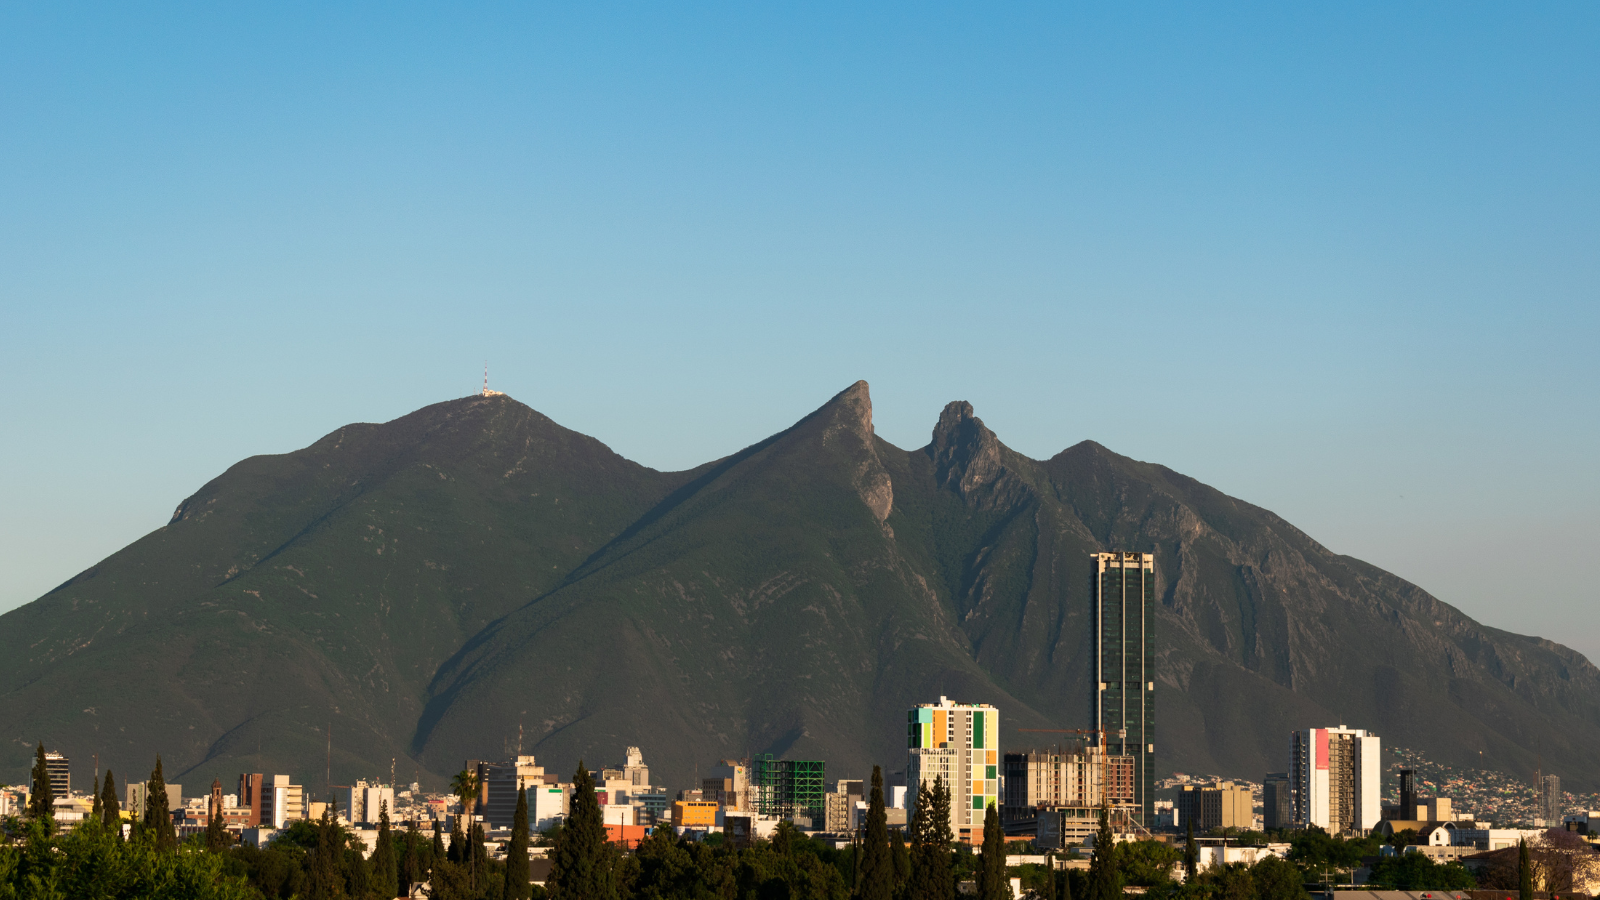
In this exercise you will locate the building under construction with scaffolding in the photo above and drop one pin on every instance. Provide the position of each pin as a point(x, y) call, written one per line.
point(789, 788)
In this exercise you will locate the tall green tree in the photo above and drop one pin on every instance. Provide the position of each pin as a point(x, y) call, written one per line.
point(217, 839)
point(157, 815)
point(1191, 856)
point(457, 853)
point(1105, 883)
point(438, 854)
point(877, 867)
point(411, 867)
point(95, 812)
point(41, 798)
point(110, 806)
point(992, 884)
point(1524, 871)
point(325, 862)
point(478, 858)
point(581, 866)
point(384, 872)
point(901, 855)
point(931, 876)
point(517, 883)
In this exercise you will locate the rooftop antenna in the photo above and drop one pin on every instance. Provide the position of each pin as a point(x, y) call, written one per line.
point(486, 378)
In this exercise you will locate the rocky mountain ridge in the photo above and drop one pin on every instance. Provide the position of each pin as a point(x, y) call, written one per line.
point(430, 586)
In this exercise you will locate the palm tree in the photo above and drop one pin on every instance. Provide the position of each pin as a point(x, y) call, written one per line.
point(465, 786)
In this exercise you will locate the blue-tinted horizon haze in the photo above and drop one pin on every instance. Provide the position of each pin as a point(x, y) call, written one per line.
point(1339, 260)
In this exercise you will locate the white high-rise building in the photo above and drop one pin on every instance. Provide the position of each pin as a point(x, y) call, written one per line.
point(363, 802)
point(281, 802)
point(960, 742)
point(1338, 778)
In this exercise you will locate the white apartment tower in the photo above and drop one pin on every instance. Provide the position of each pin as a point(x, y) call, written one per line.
point(960, 742)
point(1337, 774)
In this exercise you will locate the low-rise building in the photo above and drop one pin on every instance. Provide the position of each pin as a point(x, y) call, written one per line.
point(728, 784)
point(136, 793)
point(694, 813)
point(1222, 805)
point(1214, 855)
point(838, 803)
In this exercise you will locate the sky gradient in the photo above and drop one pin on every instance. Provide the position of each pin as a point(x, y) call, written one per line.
point(1339, 260)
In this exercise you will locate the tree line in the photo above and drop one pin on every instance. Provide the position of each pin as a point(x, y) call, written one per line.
point(322, 860)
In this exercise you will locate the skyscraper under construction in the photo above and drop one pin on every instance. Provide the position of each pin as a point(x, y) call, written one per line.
point(1124, 591)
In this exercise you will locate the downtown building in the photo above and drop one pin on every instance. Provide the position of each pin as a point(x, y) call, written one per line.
point(1124, 591)
point(1337, 778)
point(959, 742)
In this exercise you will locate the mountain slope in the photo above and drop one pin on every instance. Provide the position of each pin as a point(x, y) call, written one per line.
point(431, 586)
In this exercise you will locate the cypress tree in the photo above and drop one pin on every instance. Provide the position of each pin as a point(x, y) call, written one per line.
point(943, 837)
point(1191, 856)
point(41, 801)
point(458, 844)
point(580, 867)
point(438, 847)
point(478, 858)
point(992, 863)
point(1104, 882)
point(901, 855)
point(325, 862)
point(518, 884)
point(357, 877)
point(1524, 871)
point(110, 807)
point(408, 860)
point(877, 868)
point(217, 839)
point(96, 812)
point(157, 817)
point(930, 844)
point(385, 873)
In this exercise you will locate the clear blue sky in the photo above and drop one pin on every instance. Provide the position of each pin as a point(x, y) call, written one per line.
point(1341, 259)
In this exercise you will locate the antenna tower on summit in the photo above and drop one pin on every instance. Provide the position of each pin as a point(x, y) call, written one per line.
point(486, 391)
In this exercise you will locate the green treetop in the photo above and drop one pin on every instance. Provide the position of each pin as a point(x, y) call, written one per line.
point(157, 816)
point(517, 884)
point(877, 866)
point(581, 862)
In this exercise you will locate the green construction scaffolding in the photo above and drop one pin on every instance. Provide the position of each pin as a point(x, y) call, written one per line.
point(788, 788)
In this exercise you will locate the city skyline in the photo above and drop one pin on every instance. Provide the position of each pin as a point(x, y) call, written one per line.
point(1345, 233)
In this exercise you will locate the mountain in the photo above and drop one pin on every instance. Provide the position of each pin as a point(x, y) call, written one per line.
point(431, 587)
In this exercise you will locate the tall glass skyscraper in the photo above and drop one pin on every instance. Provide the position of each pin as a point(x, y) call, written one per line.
point(1124, 592)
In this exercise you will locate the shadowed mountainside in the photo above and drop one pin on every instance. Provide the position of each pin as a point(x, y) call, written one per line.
point(427, 586)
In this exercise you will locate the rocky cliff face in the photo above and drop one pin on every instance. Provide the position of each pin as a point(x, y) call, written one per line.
point(432, 585)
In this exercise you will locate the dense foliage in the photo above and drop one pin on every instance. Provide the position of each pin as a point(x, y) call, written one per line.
point(322, 860)
point(93, 862)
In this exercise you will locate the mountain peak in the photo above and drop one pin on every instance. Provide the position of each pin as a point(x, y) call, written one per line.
point(966, 454)
point(853, 406)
